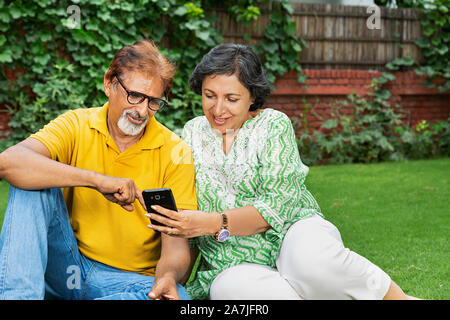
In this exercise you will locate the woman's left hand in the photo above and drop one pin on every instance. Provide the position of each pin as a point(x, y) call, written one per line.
point(185, 223)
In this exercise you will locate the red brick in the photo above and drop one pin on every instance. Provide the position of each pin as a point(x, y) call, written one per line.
point(324, 88)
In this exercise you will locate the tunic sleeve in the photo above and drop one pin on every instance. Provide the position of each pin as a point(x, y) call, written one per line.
point(281, 176)
point(186, 135)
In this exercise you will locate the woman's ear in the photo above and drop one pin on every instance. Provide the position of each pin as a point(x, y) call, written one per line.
point(252, 100)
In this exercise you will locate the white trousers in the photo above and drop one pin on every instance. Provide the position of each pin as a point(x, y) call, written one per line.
point(313, 264)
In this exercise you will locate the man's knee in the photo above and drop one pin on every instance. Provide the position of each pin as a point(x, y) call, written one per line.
point(38, 201)
point(32, 196)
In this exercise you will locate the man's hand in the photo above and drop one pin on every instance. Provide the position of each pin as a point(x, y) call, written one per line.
point(120, 190)
point(164, 289)
point(171, 269)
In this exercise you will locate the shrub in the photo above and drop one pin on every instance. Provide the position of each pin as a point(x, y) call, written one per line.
point(59, 51)
point(372, 132)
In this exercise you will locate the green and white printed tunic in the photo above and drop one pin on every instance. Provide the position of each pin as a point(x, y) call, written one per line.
point(262, 169)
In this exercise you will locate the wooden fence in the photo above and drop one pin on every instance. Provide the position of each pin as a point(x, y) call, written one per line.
point(338, 36)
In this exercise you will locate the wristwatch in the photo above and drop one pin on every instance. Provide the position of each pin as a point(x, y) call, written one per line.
point(223, 234)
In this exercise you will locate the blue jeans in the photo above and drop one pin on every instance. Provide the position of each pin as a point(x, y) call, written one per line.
point(39, 256)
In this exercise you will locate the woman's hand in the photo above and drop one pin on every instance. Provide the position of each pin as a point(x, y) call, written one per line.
point(185, 223)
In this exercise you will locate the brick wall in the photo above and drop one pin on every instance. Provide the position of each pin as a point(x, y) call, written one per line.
point(318, 97)
point(4, 119)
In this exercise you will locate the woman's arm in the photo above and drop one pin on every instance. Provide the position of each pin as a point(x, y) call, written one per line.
point(245, 221)
point(281, 174)
point(242, 221)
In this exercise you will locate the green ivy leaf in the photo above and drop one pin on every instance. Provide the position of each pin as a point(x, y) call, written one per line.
point(296, 47)
point(158, 32)
point(271, 47)
point(104, 46)
point(436, 41)
point(180, 11)
point(383, 94)
point(444, 87)
point(204, 35)
point(43, 60)
point(14, 11)
point(5, 55)
point(388, 76)
point(443, 9)
point(391, 66)
point(45, 3)
point(4, 16)
point(290, 28)
point(301, 77)
point(276, 17)
point(106, 27)
point(45, 35)
point(429, 31)
point(330, 124)
point(423, 43)
point(287, 6)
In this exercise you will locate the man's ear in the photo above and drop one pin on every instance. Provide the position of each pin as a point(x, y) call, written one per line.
point(107, 86)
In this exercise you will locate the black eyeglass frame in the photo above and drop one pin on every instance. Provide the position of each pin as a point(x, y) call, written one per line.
point(144, 96)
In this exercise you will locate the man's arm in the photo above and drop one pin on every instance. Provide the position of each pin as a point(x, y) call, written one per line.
point(172, 267)
point(194, 252)
point(28, 165)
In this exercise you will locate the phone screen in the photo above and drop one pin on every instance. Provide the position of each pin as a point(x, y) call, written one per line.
point(162, 197)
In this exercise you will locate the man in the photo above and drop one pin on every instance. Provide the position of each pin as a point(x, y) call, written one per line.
point(94, 242)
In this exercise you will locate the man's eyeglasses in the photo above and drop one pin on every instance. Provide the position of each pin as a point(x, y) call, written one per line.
point(133, 97)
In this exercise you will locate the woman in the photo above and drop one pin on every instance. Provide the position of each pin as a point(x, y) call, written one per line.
point(260, 232)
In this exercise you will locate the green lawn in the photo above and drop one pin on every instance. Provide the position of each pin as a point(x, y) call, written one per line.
point(3, 199)
point(396, 214)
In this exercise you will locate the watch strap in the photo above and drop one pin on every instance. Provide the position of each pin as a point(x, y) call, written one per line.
point(224, 220)
point(224, 225)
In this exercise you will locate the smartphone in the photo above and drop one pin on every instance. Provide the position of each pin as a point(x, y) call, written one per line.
point(162, 197)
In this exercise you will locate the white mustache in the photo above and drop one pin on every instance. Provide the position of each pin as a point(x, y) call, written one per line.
point(135, 115)
point(129, 128)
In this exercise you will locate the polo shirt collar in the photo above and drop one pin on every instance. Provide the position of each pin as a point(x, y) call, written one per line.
point(153, 137)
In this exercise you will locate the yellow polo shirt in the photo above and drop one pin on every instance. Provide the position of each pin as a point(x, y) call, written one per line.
point(105, 231)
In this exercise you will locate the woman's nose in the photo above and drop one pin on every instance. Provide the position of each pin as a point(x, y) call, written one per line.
point(220, 106)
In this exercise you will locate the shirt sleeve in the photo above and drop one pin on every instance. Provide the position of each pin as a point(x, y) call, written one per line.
point(180, 176)
point(281, 174)
point(59, 136)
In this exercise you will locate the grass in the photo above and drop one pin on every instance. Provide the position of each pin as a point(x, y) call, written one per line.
point(3, 199)
point(396, 214)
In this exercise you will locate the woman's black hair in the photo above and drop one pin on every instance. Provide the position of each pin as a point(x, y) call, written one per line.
point(232, 59)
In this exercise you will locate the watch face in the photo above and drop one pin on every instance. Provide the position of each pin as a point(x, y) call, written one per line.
point(223, 235)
